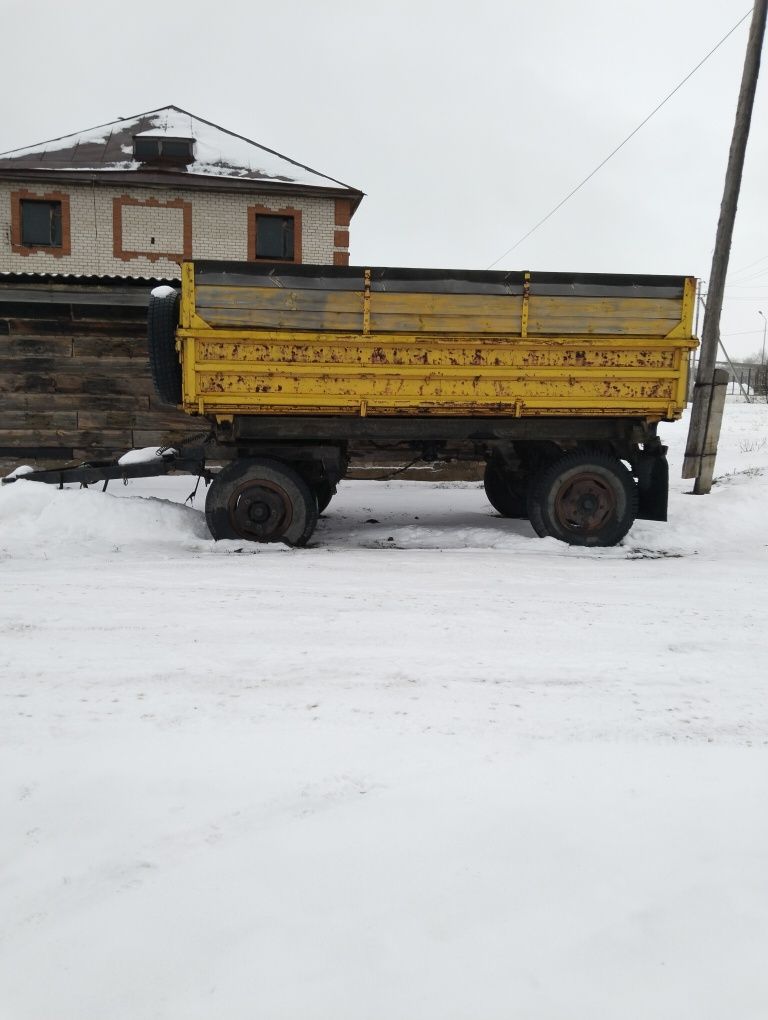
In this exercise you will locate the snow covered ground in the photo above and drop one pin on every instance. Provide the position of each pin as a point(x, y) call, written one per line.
point(430, 767)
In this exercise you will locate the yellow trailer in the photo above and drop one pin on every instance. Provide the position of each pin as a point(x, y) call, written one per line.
point(554, 378)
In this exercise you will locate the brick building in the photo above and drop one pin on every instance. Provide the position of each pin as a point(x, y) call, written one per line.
point(132, 198)
point(88, 223)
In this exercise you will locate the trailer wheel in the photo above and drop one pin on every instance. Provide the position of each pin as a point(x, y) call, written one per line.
point(505, 491)
point(261, 500)
point(162, 320)
point(584, 499)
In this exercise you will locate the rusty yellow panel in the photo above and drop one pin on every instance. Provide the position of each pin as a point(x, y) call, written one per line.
point(684, 328)
point(187, 303)
point(380, 352)
point(357, 374)
point(434, 387)
point(441, 354)
point(304, 389)
point(289, 373)
point(189, 390)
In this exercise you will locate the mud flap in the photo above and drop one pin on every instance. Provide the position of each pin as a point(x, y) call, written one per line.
point(653, 485)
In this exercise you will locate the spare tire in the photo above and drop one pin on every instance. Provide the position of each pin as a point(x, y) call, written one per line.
point(162, 320)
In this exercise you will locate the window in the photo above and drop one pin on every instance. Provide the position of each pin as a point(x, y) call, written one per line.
point(145, 149)
point(177, 149)
point(159, 149)
point(40, 224)
point(274, 235)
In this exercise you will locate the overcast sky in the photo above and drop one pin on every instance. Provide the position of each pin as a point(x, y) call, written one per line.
point(464, 123)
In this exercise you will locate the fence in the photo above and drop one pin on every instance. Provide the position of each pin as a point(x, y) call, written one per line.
point(743, 379)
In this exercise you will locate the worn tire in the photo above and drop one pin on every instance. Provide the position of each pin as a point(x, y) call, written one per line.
point(162, 321)
point(261, 500)
point(506, 493)
point(584, 499)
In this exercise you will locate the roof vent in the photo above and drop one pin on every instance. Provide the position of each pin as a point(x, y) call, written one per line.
point(162, 149)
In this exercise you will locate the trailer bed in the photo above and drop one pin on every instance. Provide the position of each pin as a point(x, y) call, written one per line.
point(353, 341)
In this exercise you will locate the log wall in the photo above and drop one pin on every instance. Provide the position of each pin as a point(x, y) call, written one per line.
point(74, 375)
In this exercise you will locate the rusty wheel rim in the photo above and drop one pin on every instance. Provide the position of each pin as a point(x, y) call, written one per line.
point(585, 503)
point(260, 511)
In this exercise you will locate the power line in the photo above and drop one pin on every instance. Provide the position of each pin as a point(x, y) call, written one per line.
point(742, 281)
point(621, 145)
point(746, 285)
point(744, 332)
point(750, 264)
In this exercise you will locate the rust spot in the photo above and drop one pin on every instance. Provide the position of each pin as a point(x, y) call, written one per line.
point(477, 357)
point(378, 357)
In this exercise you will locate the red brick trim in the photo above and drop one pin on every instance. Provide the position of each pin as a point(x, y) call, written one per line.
point(65, 248)
point(341, 258)
point(343, 212)
point(118, 204)
point(263, 210)
point(341, 239)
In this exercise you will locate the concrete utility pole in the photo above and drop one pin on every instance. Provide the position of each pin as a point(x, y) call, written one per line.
point(709, 391)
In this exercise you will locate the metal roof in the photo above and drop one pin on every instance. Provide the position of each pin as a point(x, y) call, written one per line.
point(222, 159)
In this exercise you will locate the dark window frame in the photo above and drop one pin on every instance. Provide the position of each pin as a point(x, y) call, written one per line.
point(275, 237)
point(60, 243)
point(160, 149)
point(286, 213)
point(33, 231)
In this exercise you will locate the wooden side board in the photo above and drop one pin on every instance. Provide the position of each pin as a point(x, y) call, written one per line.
point(75, 383)
point(263, 307)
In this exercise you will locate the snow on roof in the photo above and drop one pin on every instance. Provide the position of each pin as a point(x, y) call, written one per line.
point(217, 152)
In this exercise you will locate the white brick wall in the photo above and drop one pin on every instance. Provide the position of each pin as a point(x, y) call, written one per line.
point(219, 229)
point(147, 226)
